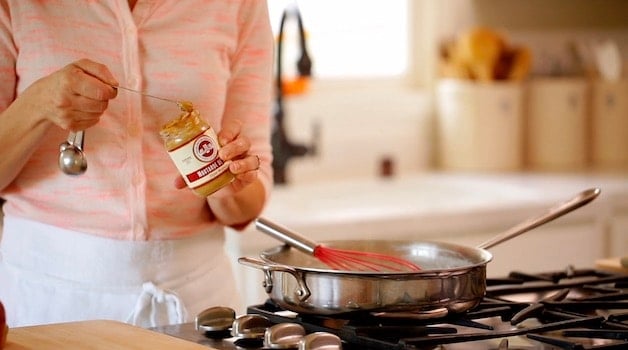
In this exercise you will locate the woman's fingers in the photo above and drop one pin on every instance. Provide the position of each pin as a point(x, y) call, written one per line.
point(73, 97)
point(235, 149)
point(179, 183)
point(83, 84)
point(244, 165)
point(96, 70)
point(230, 130)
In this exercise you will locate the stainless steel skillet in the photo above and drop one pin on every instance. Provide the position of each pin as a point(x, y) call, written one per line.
point(453, 278)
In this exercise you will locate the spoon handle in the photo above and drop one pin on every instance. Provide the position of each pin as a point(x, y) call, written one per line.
point(79, 140)
point(71, 137)
point(145, 94)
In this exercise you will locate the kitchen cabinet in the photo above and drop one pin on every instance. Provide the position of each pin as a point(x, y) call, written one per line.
point(460, 208)
point(549, 28)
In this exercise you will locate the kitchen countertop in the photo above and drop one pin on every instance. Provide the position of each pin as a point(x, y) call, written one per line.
point(615, 264)
point(95, 334)
point(429, 201)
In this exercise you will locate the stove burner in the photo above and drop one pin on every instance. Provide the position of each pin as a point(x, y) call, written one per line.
point(573, 309)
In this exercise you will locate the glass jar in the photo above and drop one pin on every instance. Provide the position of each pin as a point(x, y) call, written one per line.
point(193, 147)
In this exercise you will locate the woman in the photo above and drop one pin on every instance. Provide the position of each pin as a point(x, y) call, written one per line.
point(126, 240)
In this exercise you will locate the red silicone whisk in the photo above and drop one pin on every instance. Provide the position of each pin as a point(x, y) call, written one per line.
point(337, 259)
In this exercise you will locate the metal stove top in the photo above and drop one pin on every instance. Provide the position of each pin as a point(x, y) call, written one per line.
point(571, 309)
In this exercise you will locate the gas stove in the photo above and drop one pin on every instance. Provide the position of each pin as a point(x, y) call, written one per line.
point(571, 309)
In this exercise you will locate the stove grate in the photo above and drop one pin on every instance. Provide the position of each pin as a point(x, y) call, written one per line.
point(570, 309)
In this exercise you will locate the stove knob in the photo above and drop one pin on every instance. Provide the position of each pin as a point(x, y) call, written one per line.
point(214, 319)
point(283, 336)
point(250, 326)
point(320, 340)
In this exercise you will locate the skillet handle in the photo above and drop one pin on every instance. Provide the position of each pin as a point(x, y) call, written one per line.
point(554, 212)
point(303, 292)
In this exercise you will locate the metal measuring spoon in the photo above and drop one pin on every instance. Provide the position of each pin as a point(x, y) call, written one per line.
point(72, 160)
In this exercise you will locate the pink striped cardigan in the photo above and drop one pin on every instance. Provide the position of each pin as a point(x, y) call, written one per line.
point(217, 54)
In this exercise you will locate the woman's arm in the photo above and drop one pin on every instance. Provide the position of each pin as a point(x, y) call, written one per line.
point(72, 98)
point(245, 129)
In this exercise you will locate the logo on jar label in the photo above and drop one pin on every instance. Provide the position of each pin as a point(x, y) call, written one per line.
point(204, 149)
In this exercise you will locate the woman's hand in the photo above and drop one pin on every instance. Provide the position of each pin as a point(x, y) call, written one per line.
point(234, 147)
point(73, 97)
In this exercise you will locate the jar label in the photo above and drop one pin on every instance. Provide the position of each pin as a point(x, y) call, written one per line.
point(198, 161)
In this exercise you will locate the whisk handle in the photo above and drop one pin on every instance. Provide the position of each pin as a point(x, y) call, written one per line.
point(286, 235)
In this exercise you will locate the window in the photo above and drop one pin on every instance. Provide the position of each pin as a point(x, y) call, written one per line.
point(346, 38)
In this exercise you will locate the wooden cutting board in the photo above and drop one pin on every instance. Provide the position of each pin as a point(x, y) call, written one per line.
point(98, 334)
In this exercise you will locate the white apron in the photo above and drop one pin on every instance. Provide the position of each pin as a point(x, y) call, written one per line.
point(51, 275)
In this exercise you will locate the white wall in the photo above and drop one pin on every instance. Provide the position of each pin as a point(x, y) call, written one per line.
point(363, 121)
point(360, 123)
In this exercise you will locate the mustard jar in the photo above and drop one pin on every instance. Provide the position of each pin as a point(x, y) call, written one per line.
point(193, 147)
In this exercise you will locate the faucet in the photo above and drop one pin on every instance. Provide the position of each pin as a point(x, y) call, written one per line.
point(283, 148)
